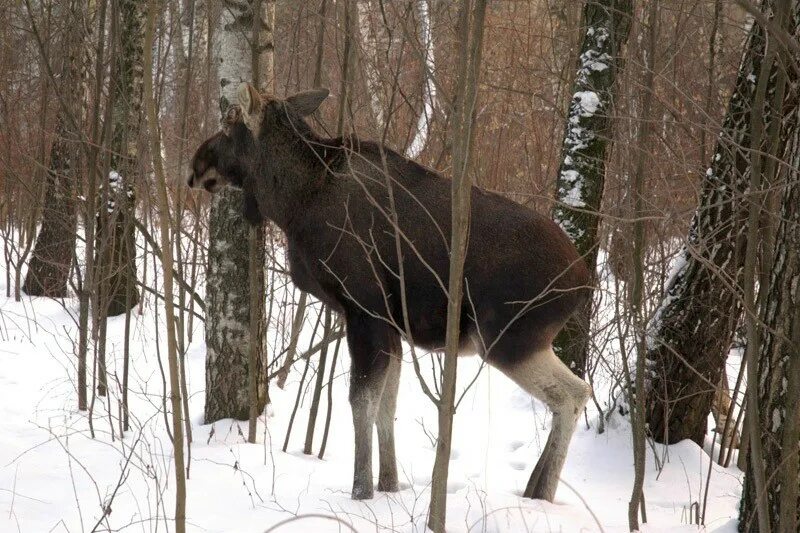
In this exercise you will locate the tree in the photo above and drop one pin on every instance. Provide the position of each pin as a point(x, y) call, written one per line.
point(772, 484)
point(587, 142)
point(471, 19)
point(691, 332)
point(51, 261)
point(228, 283)
point(116, 247)
point(779, 370)
point(154, 138)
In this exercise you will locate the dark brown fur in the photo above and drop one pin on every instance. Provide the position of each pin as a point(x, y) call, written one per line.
point(523, 277)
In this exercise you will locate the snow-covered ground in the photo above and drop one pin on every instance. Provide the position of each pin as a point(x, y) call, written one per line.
point(55, 477)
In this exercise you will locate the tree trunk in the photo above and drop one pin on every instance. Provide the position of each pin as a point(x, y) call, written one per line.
point(579, 186)
point(691, 332)
point(779, 371)
point(471, 24)
point(166, 259)
point(371, 59)
point(636, 293)
point(420, 139)
point(228, 287)
point(770, 496)
point(49, 268)
point(116, 243)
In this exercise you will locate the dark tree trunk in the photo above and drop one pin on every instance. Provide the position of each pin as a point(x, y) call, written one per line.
point(691, 332)
point(778, 374)
point(116, 243)
point(49, 268)
point(579, 187)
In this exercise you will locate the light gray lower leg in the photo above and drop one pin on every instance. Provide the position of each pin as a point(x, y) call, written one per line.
point(387, 474)
point(364, 404)
point(545, 377)
point(544, 479)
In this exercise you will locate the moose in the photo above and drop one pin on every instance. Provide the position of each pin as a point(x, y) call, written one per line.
point(368, 234)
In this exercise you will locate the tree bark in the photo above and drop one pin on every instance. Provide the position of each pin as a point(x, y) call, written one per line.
point(779, 373)
point(420, 139)
point(51, 261)
point(691, 332)
point(770, 500)
point(228, 286)
point(116, 246)
point(167, 263)
point(636, 293)
point(471, 24)
point(587, 142)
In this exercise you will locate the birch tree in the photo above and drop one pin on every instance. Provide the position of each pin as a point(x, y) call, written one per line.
point(690, 334)
point(228, 284)
point(581, 176)
point(369, 42)
point(421, 135)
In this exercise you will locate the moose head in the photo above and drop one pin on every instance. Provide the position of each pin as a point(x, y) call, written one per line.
point(228, 157)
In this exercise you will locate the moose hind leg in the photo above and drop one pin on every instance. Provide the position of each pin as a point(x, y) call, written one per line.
point(387, 473)
point(370, 343)
point(546, 378)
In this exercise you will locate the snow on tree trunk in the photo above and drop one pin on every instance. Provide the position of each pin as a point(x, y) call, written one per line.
point(579, 186)
point(49, 267)
point(116, 242)
point(691, 332)
point(227, 281)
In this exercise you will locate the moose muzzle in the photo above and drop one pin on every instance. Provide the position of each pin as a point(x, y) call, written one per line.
point(211, 181)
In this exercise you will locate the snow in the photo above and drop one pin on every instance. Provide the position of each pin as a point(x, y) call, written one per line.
point(595, 58)
point(573, 196)
point(777, 420)
point(677, 270)
point(55, 477)
point(589, 102)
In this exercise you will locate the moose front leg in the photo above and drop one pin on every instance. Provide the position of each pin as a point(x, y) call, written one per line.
point(370, 343)
point(250, 209)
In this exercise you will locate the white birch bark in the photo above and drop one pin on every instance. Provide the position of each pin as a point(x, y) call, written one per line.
point(369, 40)
point(428, 87)
point(227, 283)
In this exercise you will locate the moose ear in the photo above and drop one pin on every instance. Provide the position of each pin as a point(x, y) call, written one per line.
point(307, 102)
point(250, 102)
point(232, 116)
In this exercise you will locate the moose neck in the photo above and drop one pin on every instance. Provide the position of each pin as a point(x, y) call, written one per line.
point(289, 169)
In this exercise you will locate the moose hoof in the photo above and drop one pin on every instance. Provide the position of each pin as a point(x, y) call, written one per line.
point(362, 493)
point(540, 493)
point(542, 485)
